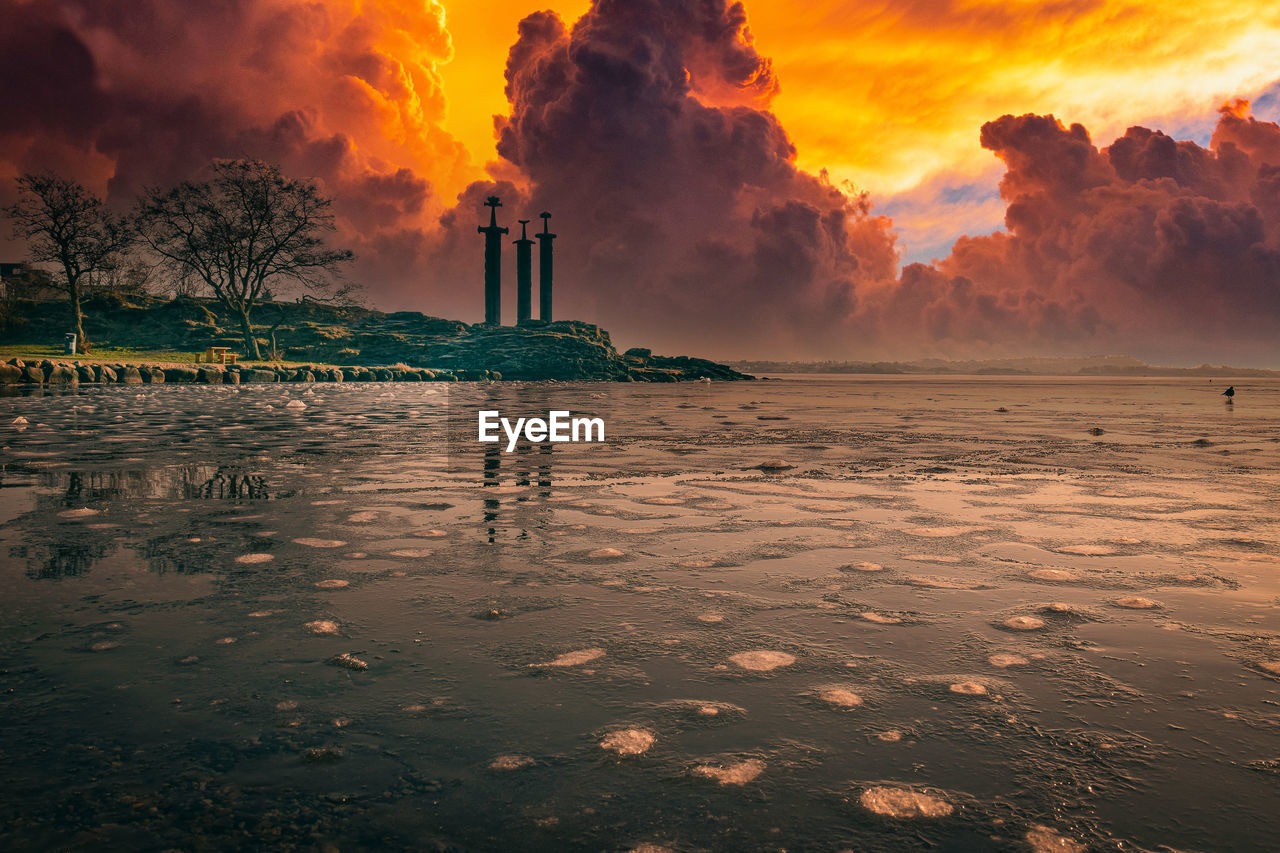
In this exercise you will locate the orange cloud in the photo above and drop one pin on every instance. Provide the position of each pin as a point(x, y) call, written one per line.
point(888, 94)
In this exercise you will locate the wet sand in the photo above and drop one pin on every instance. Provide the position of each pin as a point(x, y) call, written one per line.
point(816, 614)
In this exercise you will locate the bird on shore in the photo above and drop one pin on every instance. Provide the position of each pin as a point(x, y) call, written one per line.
point(1230, 393)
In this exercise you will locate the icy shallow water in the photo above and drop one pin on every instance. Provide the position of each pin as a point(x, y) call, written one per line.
point(231, 623)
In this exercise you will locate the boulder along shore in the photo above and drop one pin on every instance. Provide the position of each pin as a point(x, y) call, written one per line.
point(48, 372)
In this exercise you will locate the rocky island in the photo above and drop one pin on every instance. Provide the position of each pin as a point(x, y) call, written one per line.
point(314, 341)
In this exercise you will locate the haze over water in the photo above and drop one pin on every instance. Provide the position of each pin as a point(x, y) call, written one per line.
point(236, 622)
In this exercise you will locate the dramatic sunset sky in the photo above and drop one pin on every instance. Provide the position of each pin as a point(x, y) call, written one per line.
point(769, 179)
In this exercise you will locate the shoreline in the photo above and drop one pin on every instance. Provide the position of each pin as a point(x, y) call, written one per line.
point(61, 373)
point(82, 372)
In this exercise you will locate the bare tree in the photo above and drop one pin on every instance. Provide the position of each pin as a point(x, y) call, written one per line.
point(243, 230)
point(69, 228)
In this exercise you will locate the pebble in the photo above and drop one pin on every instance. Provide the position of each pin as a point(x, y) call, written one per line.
point(254, 559)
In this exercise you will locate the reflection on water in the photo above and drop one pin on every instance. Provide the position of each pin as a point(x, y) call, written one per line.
point(996, 614)
point(184, 482)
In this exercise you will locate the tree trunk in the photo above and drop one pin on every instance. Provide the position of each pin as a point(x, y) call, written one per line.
point(82, 340)
point(250, 342)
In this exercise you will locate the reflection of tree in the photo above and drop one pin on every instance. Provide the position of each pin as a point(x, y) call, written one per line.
point(175, 553)
point(56, 548)
point(66, 559)
point(231, 485)
point(187, 482)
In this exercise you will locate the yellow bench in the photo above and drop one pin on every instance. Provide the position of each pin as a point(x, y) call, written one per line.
point(217, 355)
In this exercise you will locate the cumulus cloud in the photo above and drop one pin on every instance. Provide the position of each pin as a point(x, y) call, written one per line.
point(1149, 245)
point(644, 129)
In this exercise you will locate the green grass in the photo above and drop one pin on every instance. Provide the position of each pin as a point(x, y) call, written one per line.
point(125, 355)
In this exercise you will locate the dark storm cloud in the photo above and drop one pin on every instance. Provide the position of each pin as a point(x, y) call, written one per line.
point(682, 215)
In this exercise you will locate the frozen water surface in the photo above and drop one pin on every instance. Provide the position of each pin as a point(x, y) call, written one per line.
point(814, 614)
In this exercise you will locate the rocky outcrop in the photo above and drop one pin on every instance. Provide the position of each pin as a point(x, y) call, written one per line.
point(371, 346)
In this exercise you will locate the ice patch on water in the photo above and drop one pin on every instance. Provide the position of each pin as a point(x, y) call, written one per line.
point(507, 763)
point(1058, 575)
point(969, 688)
point(1137, 602)
point(576, 658)
point(1088, 550)
point(903, 803)
point(635, 741)
point(762, 660)
point(840, 697)
point(735, 773)
point(1042, 839)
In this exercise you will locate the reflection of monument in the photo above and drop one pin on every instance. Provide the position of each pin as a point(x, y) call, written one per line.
point(544, 268)
point(492, 263)
point(524, 274)
point(523, 511)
